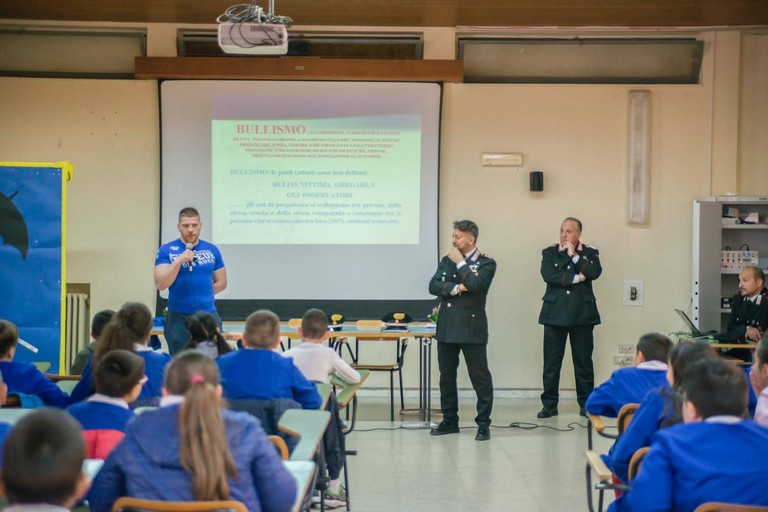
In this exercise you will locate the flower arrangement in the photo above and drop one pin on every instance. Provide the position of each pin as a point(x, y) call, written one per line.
point(432, 317)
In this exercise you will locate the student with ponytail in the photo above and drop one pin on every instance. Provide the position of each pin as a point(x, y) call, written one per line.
point(185, 450)
point(129, 329)
point(206, 335)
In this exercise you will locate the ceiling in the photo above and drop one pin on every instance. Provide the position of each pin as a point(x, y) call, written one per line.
point(413, 13)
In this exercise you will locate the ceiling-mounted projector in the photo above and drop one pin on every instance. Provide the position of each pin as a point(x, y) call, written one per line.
point(242, 38)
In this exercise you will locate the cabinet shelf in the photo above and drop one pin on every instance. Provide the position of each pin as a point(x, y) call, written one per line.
point(745, 226)
point(711, 280)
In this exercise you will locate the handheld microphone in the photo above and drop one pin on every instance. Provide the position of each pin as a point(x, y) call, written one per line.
point(189, 247)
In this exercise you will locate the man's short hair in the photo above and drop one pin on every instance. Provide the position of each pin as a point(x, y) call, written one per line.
point(43, 458)
point(573, 219)
point(467, 226)
point(757, 273)
point(314, 324)
point(189, 212)
point(761, 352)
point(262, 329)
point(716, 387)
point(9, 337)
point(100, 319)
point(118, 372)
point(654, 346)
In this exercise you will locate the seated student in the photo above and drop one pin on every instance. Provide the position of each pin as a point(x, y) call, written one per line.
point(659, 409)
point(25, 377)
point(206, 335)
point(759, 379)
point(191, 448)
point(5, 428)
point(119, 377)
point(100, 320)
point(258, 372)
point(43, 463)
point(632, 384)
point(318, 363)
point(130, 329)
point(716, 455)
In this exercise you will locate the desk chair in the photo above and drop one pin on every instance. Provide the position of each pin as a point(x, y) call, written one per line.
point(12, 415)
point(269, 413)
point(595, 463)
point(728, 507)
point(605, 475)
point(43, 366)
point(347, 395)
point(280, 446)
point(136, 505)
point(396, 367)
point(622, 420)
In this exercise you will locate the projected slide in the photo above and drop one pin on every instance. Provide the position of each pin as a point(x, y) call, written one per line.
point(322, 192)
point(351, 180)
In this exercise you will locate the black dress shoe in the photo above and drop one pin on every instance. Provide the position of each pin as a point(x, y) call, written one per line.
point(582, 412)
point(483, 433)
point(547, 412)
point(444, 428)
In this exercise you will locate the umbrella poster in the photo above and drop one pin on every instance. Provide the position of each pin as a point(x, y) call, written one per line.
point(33, 257)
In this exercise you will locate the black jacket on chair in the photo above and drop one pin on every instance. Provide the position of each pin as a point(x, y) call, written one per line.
point(462, 318)
point(565, 303)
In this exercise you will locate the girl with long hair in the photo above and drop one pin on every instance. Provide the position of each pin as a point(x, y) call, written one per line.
point(185, 450)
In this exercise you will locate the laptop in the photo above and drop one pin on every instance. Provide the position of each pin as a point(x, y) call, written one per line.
point(695, 332)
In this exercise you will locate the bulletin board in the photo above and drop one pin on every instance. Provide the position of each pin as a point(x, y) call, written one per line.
point(33, 204)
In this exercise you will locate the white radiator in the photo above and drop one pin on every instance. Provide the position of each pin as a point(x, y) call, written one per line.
point(77, 327)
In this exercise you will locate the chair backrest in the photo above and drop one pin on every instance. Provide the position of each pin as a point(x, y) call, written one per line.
point(269, 413)
point(626, 413)
point(636, 461)
point(137, 505)
point(728, 507)
point(281, 446)
point(99, 442)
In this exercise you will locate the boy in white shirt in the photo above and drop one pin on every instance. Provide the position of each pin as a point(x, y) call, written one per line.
point(318, 362)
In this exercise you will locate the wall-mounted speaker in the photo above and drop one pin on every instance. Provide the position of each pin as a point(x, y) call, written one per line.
point(537, 181)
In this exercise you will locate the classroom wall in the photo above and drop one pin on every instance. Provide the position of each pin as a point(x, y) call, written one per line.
point(575, 134)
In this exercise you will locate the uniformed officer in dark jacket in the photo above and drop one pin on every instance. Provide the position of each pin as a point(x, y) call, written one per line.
point(569, 309)
point(749, 312)
point(462, 280)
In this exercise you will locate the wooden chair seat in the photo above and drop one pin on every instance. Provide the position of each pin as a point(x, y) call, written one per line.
point(713, 506)
point(137, 505)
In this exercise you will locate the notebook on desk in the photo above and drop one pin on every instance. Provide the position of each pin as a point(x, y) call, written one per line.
point(695, 332)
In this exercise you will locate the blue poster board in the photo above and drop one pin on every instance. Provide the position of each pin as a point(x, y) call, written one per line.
point(33, 256)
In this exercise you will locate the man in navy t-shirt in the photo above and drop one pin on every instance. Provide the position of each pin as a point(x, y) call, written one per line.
point(193, 272)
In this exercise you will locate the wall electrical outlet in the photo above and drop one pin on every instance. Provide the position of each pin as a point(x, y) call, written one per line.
point(632, 294)
point(626, 348)
point(623, 360)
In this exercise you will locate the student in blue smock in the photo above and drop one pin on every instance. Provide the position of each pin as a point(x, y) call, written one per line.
point(716, 455)
point(660, 409)
point(632, 384)
point(130, 329)
point(119, 378)
point(43, 463)
point(193, 449)
point(258, 372)
point(23, 377)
